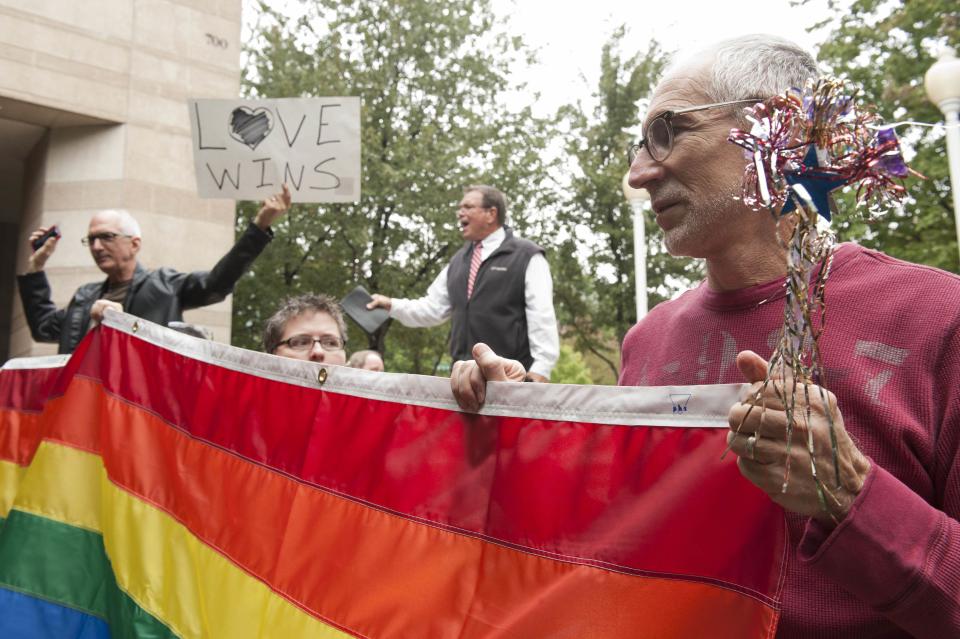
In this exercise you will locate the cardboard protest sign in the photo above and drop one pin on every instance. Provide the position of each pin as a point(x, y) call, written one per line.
point(245, 149)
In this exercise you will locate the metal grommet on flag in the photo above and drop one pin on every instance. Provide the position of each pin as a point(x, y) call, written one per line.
point(135, 327)
point(321, 376)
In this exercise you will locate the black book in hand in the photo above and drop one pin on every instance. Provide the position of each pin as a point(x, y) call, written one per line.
point(355, 306)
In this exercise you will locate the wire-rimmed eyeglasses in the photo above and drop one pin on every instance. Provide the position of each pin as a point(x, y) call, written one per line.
point(658, 138)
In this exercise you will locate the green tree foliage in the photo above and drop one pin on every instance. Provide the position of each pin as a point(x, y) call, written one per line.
point(593, 263)
point(886, 47)
point(571, 368)
point(433, 80)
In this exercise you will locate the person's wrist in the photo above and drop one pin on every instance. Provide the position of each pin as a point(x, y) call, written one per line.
point(844, 496)
point(853, 483)
point(534, 376)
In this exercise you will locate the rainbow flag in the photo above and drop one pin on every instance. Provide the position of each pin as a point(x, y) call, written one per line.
point(156, 485)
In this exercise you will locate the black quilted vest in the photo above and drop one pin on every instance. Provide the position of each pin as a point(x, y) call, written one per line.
point(496, 313)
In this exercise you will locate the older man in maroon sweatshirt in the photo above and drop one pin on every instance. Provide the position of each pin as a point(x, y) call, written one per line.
point(884, 559)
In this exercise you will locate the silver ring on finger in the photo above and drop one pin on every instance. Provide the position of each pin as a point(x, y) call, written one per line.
point(751, 448)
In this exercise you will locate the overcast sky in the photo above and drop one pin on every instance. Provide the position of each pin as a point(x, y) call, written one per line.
point(569, 36)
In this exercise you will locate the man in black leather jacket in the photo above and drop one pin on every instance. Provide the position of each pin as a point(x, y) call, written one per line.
point(159, 295)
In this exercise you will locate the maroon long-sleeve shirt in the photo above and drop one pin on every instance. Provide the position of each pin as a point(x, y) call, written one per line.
point(891, 350)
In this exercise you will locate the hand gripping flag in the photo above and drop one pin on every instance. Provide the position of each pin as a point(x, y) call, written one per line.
point(156, 485)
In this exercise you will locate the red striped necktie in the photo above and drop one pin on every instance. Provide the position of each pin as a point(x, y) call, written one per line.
point(474, 267)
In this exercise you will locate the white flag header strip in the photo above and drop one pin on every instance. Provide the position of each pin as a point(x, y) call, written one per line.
point(45, 361)
point(704, 406)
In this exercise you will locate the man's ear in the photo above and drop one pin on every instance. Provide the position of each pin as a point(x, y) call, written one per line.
point(135, 243)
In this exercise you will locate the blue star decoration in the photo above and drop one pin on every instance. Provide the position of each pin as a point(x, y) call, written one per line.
point(817, 182)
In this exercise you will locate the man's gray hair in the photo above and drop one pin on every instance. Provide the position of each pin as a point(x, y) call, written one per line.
point(296, 306)
point(752, 66)
point(127, 224)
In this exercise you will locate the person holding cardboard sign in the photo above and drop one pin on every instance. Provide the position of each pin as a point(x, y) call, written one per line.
point(160, 295)
point(497, 289)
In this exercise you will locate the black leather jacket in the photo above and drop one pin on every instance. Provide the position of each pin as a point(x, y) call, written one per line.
point(159, 296)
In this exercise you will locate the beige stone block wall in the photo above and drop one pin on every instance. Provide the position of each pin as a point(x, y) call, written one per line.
point(105, 19)
point(21, 344)
point(124, 69)
point(85, 153)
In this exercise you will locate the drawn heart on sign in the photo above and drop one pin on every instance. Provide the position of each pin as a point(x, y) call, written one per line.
point(250, 126)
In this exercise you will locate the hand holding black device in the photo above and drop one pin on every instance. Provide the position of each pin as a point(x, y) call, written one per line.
point(38, 243)
point(355, 306)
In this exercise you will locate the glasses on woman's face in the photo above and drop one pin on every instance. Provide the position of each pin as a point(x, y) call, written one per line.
point(305, 342)
point(658, 139)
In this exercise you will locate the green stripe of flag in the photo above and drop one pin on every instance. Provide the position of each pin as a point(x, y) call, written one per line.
point(69, 566)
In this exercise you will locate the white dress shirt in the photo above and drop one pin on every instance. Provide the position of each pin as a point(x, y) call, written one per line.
point(434, 307)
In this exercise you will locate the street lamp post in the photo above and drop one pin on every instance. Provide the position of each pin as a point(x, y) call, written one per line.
point(943, 88)
point(637, 198)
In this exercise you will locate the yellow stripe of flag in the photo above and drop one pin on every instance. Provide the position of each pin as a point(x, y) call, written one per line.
point(167, 571)
point(11, 476)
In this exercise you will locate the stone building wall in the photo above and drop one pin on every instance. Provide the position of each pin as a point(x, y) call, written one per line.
point(93, 115)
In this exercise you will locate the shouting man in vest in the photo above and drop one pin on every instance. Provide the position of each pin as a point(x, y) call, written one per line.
point(497, 288)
